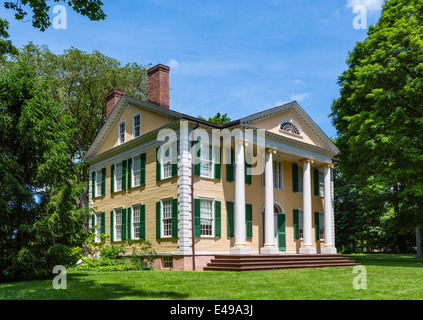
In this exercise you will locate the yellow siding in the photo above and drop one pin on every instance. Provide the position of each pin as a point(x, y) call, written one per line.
point(148, 194)
point(272, 124)
point(149, 121)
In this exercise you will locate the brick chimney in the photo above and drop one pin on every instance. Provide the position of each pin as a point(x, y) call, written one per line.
point(158, 85)
point(112, 99)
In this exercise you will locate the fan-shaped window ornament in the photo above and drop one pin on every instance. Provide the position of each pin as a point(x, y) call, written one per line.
point(290, 126)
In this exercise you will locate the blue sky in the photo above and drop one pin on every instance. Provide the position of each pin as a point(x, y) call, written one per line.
point(234, 56)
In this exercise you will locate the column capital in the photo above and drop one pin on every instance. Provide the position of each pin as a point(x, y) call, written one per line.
point(307, 160)
point(327, 165)
point(271, 150)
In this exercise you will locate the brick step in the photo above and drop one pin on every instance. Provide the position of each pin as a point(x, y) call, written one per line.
point(259, 263)
point(275, 267)
point(282, 259)
point(272, 262)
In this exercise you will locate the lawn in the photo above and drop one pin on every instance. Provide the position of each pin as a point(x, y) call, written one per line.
point(393, 277)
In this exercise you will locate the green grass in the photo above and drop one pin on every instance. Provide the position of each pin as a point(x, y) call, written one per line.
point(392, 277)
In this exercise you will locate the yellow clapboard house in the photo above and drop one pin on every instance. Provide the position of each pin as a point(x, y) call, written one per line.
point(258, 185)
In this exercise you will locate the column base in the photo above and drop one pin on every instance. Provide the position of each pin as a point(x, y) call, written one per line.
point(328, 250)
point(269, 250)
point(240, 250)
point(307, 250)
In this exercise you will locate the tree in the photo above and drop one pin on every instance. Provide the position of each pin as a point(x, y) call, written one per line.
point(379, 114)
point(40, 9)
point(6, 47)
point(218, 118)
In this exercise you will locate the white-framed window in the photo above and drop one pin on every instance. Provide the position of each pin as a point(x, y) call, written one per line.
point(136, 125)
point(207, 217)
point(98, 177)
point(166, 161)
point(121, 132)
point(321, 226)
point(166, 218)
point(278, 175)
point(118, 176)
point(321, 184)
point(300, 223)
point(300, 179)
point(98, 228)
point(167, 261)
point(206, 161)
point(291, 127)
point(136, 212)
point(118, 224)
point(136, 171)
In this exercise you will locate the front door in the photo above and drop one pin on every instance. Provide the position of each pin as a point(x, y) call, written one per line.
point(281, 232)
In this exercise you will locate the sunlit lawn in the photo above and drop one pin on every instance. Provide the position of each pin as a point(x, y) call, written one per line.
point(388, 277)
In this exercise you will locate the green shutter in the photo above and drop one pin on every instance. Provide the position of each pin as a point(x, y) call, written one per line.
point(93, 184)
point(248, 177)
point(281, 232)
point(158, 166)
point(217, 163)
point(295, 177)
point(129, 173)
point(112, 179)
point(175, 159)
point(123, 229)
point(296, 225)
point(230, 218)
point(143, 159)
point(175, 226)
point(92, 220)
point(142, 221)
point(249, 220)
point(103, 181)
point(316, 226)
point(112, 226)
point(197, 218)
point(197, 159)
point(124, 168)
point(158, 219)
point(217, 218)
point(129, 227)
point(230, 168)
point(103, 223)
point(316, 182)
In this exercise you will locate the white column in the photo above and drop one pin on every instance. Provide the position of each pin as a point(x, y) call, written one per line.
point(269, 246)
point(240, 225)
point(328, 246)
point(307, 246)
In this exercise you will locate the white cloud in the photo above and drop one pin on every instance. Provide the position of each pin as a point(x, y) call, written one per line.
point(298, 81)
point(173, 63)
point(371, 5)
point(299, 97)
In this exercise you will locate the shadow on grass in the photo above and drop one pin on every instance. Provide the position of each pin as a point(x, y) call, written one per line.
point(80, 286)
point(387, 260)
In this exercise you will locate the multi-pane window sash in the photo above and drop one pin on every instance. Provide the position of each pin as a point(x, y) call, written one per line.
point(300, 224)
point(118, 225)
point(136, 222)
point(167, 163)
point(137, 125)
point(321, 227)
point(300, 179)
point(206, 217)
point(321, 184)
point(121, 132)
point(136, 171)
point(118, 176)
point(98, 228)
point(206, 161)
point(167, 218)
point(98, 177)
point(277, 175)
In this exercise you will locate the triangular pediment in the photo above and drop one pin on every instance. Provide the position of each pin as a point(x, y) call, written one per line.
point(291, 121)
